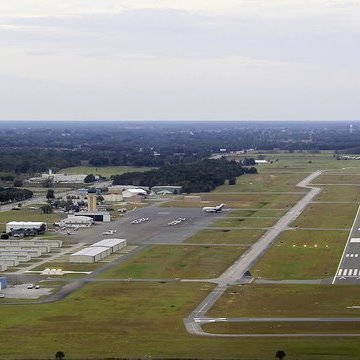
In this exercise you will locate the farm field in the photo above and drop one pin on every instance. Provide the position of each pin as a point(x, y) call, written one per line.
point(171, 262)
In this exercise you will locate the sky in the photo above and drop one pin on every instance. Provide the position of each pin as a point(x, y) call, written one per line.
point(180, 60)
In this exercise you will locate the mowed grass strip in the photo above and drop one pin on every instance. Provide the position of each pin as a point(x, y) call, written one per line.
point(302, 254)
point(306, 162)
point(265, 182)
point(239, 201)
point(272, 300)
point(166, 261)
point(244, 222)
point(226, 236)
point(339, 193)
point(258, 212)
point(327, 216)
point(137, 320)
point(337, 179)
point(109, 320)
point(283, 328)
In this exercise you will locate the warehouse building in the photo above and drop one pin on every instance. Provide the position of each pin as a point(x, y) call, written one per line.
point(98, 216)
point(76, 221)
point(89, 255)
point(97, 251)
point(16, 226)
point(167, 189)
point(112, 244)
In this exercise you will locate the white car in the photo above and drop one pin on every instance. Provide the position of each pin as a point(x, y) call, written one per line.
point(30, 286)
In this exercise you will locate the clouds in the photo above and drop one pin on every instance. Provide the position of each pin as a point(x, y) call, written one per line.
point(210, 48)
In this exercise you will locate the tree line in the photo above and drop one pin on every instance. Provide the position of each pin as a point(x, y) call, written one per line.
point(201, 176)
point(14, 194)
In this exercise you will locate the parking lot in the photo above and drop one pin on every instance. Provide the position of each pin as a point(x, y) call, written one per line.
point(22, 292)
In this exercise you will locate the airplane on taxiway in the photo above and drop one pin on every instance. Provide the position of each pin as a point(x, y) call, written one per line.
point(214, 209)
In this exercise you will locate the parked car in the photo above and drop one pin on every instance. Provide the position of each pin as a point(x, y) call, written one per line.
point(30, 286)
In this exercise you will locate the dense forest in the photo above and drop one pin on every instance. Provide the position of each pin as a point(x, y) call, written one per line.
point(201, 176)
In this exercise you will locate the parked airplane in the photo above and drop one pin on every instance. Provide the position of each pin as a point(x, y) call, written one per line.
point(213, 208)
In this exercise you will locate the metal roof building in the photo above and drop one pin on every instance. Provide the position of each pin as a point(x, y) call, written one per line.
point(23, 225)
point(112, 244)
point(89, 255)
point(76, 221)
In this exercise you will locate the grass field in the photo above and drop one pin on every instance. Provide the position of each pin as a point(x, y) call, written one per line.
point(306, 162)
point(239, 201)
point(288, 301)
point(334, 216)
point(95, 323)
point(105, 171)
point(192, 262)
point(265, 182)
point(338, 179)
point(261, 222)
point(288, 258)
point(226, 236)
point(342, 193)
point(284, 328)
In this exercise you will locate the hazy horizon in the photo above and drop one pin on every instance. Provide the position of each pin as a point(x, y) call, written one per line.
point(173, 60)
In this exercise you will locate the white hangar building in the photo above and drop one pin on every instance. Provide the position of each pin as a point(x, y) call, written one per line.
point(25, 225)
point(112, 244)
point(76, 221)
point(89, 255)
point(97, 251)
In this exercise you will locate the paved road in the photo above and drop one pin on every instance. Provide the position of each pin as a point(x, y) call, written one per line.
point(235, 273)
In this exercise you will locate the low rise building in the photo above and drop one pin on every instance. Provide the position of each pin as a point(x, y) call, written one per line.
point(76, 221)
point(166, 189)
point(16, 226)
